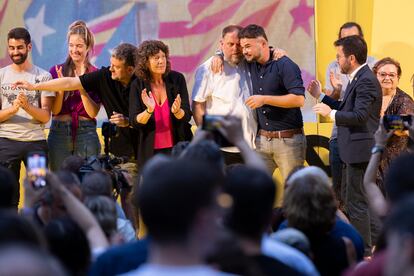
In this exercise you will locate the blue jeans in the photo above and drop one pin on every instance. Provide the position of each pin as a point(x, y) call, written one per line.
point(283, 153)
point(61, 144)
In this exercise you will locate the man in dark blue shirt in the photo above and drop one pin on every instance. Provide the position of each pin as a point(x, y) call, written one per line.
point(278, 94)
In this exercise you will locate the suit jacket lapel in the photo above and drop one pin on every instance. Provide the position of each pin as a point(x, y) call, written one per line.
point(351, 85)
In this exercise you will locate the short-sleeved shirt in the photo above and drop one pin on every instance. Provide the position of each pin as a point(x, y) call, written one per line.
point(226, 93)
point(334, 67)
point(115, 98)
point(277, 78)
point(22, 126)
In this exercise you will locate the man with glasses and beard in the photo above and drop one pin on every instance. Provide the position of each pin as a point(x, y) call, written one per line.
point(357, 118)
point(23, 113)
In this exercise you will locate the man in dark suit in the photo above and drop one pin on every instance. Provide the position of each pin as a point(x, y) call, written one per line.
point(357, 118)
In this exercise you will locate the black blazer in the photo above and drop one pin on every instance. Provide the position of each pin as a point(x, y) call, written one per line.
point(357, 116)
point(181, 129)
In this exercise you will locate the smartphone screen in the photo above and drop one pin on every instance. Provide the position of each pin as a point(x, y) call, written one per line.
point(211, 123)
point(396, 122)
point(36, 169)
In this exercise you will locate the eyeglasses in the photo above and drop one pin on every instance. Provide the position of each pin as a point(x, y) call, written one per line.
point(390, 75)
point(339, 57)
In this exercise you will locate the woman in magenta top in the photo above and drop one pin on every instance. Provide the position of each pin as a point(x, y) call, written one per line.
point(73, 129)
point(159, 105)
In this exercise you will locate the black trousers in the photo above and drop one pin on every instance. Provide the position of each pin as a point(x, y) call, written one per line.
point(356, 204)
point(13, 152)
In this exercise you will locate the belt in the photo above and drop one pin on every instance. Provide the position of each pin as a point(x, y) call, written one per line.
point(288, 133)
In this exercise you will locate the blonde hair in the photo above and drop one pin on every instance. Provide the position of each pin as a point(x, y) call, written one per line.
point(79, 28)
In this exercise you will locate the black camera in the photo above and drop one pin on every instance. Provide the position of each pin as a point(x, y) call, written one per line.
point(110, 166)
point(212, 123)
point(396, 122)
point(109, 129)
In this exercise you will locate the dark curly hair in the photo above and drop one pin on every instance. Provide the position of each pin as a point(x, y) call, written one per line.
point(146, 50)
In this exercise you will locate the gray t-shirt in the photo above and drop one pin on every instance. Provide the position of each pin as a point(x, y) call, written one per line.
point(22, 126)
point(334, 67)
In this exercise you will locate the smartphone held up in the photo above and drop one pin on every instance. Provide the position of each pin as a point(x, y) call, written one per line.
point(396, 122)
point(212, 123)
point(36, 169)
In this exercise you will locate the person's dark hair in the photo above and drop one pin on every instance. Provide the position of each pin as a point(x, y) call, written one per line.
point(79, 28)
point(72, 183)
point(97, 183)
point(15, 229)
point(228, 256)
point(69, 244)
point(104, 210)
point(72, 163)
point(19, 33)
point(125, 52)
point(253, 193)
point(54, 201)
point(349, 25)
point(400, 220)
point(385, 61)
point(354, 45)
point(252, 31)
point(8, 189)
point(309, 205)
point(399, 180)
point(230, 29)
point(146, 50)
point(68, 179)
point(171, 196)
point(178, 148)
point(206, 151)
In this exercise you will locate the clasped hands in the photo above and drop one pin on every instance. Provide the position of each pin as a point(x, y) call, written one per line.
point(20, 102)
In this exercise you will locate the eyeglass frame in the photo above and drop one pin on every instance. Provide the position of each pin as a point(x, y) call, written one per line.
point(389, 75)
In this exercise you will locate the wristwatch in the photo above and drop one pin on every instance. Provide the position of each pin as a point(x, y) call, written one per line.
point(376, 149)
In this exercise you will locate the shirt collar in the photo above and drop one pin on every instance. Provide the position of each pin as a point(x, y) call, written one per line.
point(353, 74)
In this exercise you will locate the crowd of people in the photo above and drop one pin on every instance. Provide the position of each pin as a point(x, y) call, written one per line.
point(203, 202)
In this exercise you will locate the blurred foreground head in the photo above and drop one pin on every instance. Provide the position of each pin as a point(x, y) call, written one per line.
point(177, 200)
point(27, 261)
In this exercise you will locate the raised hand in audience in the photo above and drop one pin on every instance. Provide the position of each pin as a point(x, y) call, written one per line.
point(78, 212)
point(375, 197)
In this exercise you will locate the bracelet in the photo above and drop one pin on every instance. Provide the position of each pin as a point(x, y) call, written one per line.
point(148, 111)
point(377, 149)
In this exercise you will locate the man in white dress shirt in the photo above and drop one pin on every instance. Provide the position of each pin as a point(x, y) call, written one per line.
point(226, 93)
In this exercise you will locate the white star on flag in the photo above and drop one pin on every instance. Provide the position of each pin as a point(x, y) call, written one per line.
point(38, 29)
